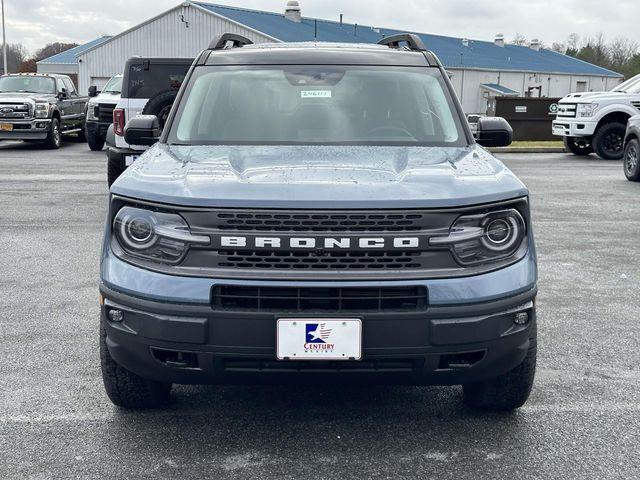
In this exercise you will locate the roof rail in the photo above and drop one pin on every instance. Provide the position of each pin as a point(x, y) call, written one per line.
point(411, 39)
point(221, 42)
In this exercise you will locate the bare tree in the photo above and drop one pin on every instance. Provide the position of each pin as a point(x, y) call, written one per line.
point(519, 39)
point(559, 47)
point(621, 51)
point(16, 54)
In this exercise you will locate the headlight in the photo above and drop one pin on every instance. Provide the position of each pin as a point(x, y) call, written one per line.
point(482, 238)
point(161, 237)
point(586, 110)
point(92, 111)
point(42, 110)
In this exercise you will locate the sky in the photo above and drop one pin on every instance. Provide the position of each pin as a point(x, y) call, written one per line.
point(35, 23)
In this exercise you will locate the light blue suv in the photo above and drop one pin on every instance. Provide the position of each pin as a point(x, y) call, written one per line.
point(318, 213)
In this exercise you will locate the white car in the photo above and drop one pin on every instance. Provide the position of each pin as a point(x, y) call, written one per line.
point(597, 121)
point(100, 111)
point(149, 87)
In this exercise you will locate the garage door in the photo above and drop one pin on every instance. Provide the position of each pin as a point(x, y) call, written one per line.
point(99, 82)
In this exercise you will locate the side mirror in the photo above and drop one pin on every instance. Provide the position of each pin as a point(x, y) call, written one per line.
point(142, 130)
point(63, 94)
point(494, 132)
point(93, 91)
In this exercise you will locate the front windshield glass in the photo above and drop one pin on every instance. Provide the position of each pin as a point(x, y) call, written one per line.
point(114, 85)
point(317, 105)
point(630, 86)
point(27, 84)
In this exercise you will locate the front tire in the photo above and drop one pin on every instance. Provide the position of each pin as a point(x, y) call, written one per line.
point(115, 167)
point(126, 389)
point(54, 137)
point(509, 391)
point(608, 141)
point(580, 146)
point(632, 160)
point(96, 142)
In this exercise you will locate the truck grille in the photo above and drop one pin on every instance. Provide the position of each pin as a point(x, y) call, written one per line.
point(310, 222)
point(105, 112)
point(636, 104)
point(292, 299)
point(327, 260)
point(567, 110)
point(14, 111)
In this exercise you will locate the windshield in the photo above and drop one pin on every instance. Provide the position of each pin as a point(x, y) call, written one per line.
point(27, 84)
point(114, 85)
point(317, 105)
point(630, 86)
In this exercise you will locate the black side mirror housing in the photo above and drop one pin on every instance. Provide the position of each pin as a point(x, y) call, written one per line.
point(142, 130)
point(494, 132)
point(93, 91)
point(63, 94)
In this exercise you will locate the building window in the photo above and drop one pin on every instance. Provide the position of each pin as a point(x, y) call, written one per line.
point(581, 86)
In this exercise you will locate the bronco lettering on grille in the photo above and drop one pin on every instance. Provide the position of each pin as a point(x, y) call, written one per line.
point(327, 243)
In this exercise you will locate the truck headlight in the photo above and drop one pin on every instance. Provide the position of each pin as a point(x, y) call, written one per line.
point(482, 238)
point(156, 236)
point(42, 110)
point(92, 111)
point(586, 110)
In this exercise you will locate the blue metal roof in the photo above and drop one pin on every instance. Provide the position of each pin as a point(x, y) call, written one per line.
point(69, 56)
point(450, 50)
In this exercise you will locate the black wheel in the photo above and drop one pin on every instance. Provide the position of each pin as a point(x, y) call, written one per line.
point(115, 167)
point(54, 137)
point(632, 160)
point(126, 389)
point(96, 142)
point(160, 106)
point(509, 391)
point(580, 146)
point(608, 141)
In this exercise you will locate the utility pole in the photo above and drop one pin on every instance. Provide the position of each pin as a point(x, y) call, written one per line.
point(4, 42)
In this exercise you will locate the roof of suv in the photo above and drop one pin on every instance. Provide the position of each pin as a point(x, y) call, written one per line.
point(321, 53)
point(50, 75)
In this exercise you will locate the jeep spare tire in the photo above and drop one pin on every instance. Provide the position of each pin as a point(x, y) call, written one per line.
point(160, 105)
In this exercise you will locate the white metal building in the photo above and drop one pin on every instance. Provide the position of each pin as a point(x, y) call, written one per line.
point(478, 69)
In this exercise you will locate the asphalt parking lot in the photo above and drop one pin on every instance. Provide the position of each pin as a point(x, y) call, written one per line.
point(582, 421)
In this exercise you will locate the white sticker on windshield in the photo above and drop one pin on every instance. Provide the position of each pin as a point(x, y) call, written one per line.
point(315, 94)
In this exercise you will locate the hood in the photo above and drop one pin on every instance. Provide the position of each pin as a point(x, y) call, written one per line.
point(22, 97)
point(106, 97)
point(317, 177)
point(598, 96)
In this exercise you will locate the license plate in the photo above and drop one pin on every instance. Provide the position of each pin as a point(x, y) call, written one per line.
point(319, 339)
point(129, 159)
point(6, 127)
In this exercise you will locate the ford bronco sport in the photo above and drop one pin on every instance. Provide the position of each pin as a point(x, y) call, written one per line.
point(318, 212)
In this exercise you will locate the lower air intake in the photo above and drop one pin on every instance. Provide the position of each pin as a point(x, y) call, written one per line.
point(292, 299)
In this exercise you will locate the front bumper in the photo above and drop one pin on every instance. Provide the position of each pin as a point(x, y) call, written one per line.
point(36, 129)
point(172, 333)
point(571, 127)
point(97, 129)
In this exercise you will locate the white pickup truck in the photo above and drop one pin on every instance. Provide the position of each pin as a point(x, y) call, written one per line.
point(597, 121)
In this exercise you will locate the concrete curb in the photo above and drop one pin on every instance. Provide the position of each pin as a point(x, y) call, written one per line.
point(528, 150)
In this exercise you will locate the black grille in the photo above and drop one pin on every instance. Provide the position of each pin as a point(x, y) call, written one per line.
point(329, 222)
point(325, 260)
point(324, 299)
point(105, 112)
point(244, 365)
point(567, 110)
